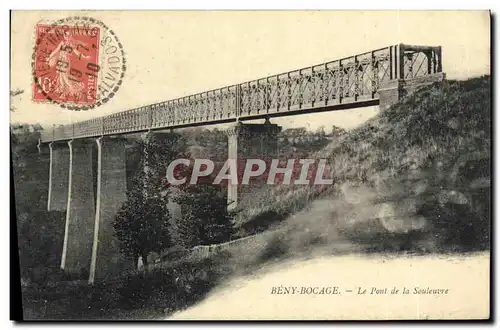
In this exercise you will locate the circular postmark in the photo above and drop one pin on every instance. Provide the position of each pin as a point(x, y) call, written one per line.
point(78, 63)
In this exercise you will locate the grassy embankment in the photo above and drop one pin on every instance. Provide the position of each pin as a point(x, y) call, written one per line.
point(413, 179)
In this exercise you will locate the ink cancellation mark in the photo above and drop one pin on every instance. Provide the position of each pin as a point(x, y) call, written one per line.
point(77, 63)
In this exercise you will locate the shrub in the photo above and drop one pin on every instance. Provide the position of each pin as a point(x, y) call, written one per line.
point(142, 223)
point(205, 219)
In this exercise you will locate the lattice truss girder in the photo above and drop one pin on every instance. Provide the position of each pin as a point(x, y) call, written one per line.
point(358, 76)
point(347, 80)
point(418, 63)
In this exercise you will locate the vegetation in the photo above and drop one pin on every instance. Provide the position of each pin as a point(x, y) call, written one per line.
point(419, 171)
point(142, 222)
point(152, 295)
point(40, 233)
point(205, 219)
point(410, 160)
point(14, 93)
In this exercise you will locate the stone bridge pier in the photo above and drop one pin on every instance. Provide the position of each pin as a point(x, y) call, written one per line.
point(247, 141)
point(87, 179)
point(58, 176)
point(106, 260)
point(80, 209)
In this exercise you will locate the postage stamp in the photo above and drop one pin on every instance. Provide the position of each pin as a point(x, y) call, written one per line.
point(78, 63)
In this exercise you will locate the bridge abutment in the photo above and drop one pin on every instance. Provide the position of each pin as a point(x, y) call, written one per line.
point(57, 199)
point(106, 260)
point(247, 141)
point(395, 90)
point(79, 229)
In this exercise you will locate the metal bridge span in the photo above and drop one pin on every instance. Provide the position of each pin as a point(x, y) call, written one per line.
point(347, 83)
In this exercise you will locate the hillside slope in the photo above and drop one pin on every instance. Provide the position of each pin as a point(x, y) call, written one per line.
point(422, 166)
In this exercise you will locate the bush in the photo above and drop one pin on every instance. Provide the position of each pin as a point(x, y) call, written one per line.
point(205, 219)
point(142, 223)
point(41, 236)
point(275, 248)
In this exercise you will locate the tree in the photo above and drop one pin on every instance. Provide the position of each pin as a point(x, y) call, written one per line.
point(13, 94)
point(40, 232)
point(29, 167)
point(337, 131)
point(320, 132)
point(158, 151)
point(205, 219)
point(142, 222)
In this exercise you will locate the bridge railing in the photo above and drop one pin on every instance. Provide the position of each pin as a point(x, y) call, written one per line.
point(349, 80)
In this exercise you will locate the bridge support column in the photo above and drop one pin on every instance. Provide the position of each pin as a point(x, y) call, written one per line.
point(107, 261)
point(58, 176)
point(78, 234)
point(249, 141)
point(395, 90)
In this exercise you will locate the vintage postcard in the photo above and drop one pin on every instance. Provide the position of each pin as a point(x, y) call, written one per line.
point(251, 165)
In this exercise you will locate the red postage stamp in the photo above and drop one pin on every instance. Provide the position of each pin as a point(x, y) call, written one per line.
point(66, 64)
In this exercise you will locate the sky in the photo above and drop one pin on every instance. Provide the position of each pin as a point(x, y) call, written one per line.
point(171, 54)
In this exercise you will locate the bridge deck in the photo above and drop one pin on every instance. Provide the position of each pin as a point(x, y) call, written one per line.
point(346, 83)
